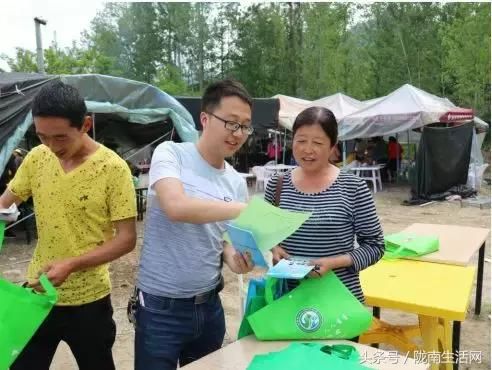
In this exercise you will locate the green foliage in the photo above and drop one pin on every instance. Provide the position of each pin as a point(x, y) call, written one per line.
point(467, 56)
point(308, 50)
point(168, 78)
point(24, 61)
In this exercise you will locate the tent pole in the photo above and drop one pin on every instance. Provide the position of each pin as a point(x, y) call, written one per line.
point(397, 159)
point(146, 146)
point(94, 125)
point(344, 156)
point(275, 146)
point(408, 146)
point(408, 155)
point(285, 142)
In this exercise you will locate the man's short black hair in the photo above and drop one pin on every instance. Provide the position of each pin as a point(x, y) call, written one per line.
point(57, 99)
point(216, 91)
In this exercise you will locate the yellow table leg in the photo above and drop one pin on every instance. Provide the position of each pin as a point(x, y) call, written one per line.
point(436, 334)
point(399, 336)
point(445, 342)
point(429, 327)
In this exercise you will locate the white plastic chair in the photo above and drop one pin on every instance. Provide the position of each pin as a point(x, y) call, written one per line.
point(267, 175)
point(259, 173)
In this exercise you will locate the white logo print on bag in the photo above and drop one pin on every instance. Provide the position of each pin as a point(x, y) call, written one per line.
point(309, 320)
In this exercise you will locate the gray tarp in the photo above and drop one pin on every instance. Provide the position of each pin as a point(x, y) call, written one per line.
point(132, 101)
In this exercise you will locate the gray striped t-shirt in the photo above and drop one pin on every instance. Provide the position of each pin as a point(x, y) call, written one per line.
point(341, 214)
point(181, 260)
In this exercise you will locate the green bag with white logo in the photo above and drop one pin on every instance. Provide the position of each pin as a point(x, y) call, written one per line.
point(317, 309)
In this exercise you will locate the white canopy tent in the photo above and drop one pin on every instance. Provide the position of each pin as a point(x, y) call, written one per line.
point(373, 101)
point(340, 104)
point(289, 109)
point(404, 109)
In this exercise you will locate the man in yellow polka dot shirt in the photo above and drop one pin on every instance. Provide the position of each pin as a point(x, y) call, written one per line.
point(85, 208)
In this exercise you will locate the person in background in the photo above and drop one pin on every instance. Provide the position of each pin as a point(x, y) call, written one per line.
point(379, 150)
point(395, 152)
point(7, 175)
point(336, 154)
point(274, 151)
point(360, 150)
point(18, 157)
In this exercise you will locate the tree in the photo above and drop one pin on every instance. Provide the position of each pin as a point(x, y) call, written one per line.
point(466, 41)
point(24, 61)
point(260, 60)
point(104, 44)
point(308, 50)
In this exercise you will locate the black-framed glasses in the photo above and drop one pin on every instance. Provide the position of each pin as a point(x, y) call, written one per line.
point(234, 126)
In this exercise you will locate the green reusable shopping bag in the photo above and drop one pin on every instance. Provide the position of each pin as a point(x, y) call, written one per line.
point(317, 309)
point(256, 300)
point(21, 313)
point(299, 356)
point(403, 245)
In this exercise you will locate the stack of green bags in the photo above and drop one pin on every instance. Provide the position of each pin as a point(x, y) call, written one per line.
point(300, 356)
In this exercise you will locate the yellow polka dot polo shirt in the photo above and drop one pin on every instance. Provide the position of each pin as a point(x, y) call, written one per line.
point(75, 213)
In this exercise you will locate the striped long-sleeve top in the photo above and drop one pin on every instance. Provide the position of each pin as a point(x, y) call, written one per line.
point(341, 214)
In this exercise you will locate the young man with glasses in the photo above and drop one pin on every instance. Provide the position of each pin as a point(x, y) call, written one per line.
point(193, 192)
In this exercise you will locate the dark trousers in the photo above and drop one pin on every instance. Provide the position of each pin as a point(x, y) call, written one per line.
point(170, 330)
point(88, 329)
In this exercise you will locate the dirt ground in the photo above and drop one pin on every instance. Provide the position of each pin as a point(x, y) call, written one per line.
point(475, 334)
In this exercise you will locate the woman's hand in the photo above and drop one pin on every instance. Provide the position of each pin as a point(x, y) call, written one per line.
point(278, 253)
point(326, 264)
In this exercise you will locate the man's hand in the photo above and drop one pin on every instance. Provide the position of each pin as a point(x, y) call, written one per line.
point(237, 262)
point(56, 272)
point(278, 253)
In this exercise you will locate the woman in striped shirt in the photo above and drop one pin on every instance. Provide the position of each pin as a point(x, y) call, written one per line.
point(343, 211)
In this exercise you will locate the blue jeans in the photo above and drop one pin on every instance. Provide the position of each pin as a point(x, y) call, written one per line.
point(170, 330)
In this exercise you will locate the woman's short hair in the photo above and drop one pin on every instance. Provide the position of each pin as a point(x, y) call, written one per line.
point(321, 116)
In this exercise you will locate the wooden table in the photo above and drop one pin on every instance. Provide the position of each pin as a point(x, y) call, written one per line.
point(430, 290)
point(238, 355)
point(457, 245)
